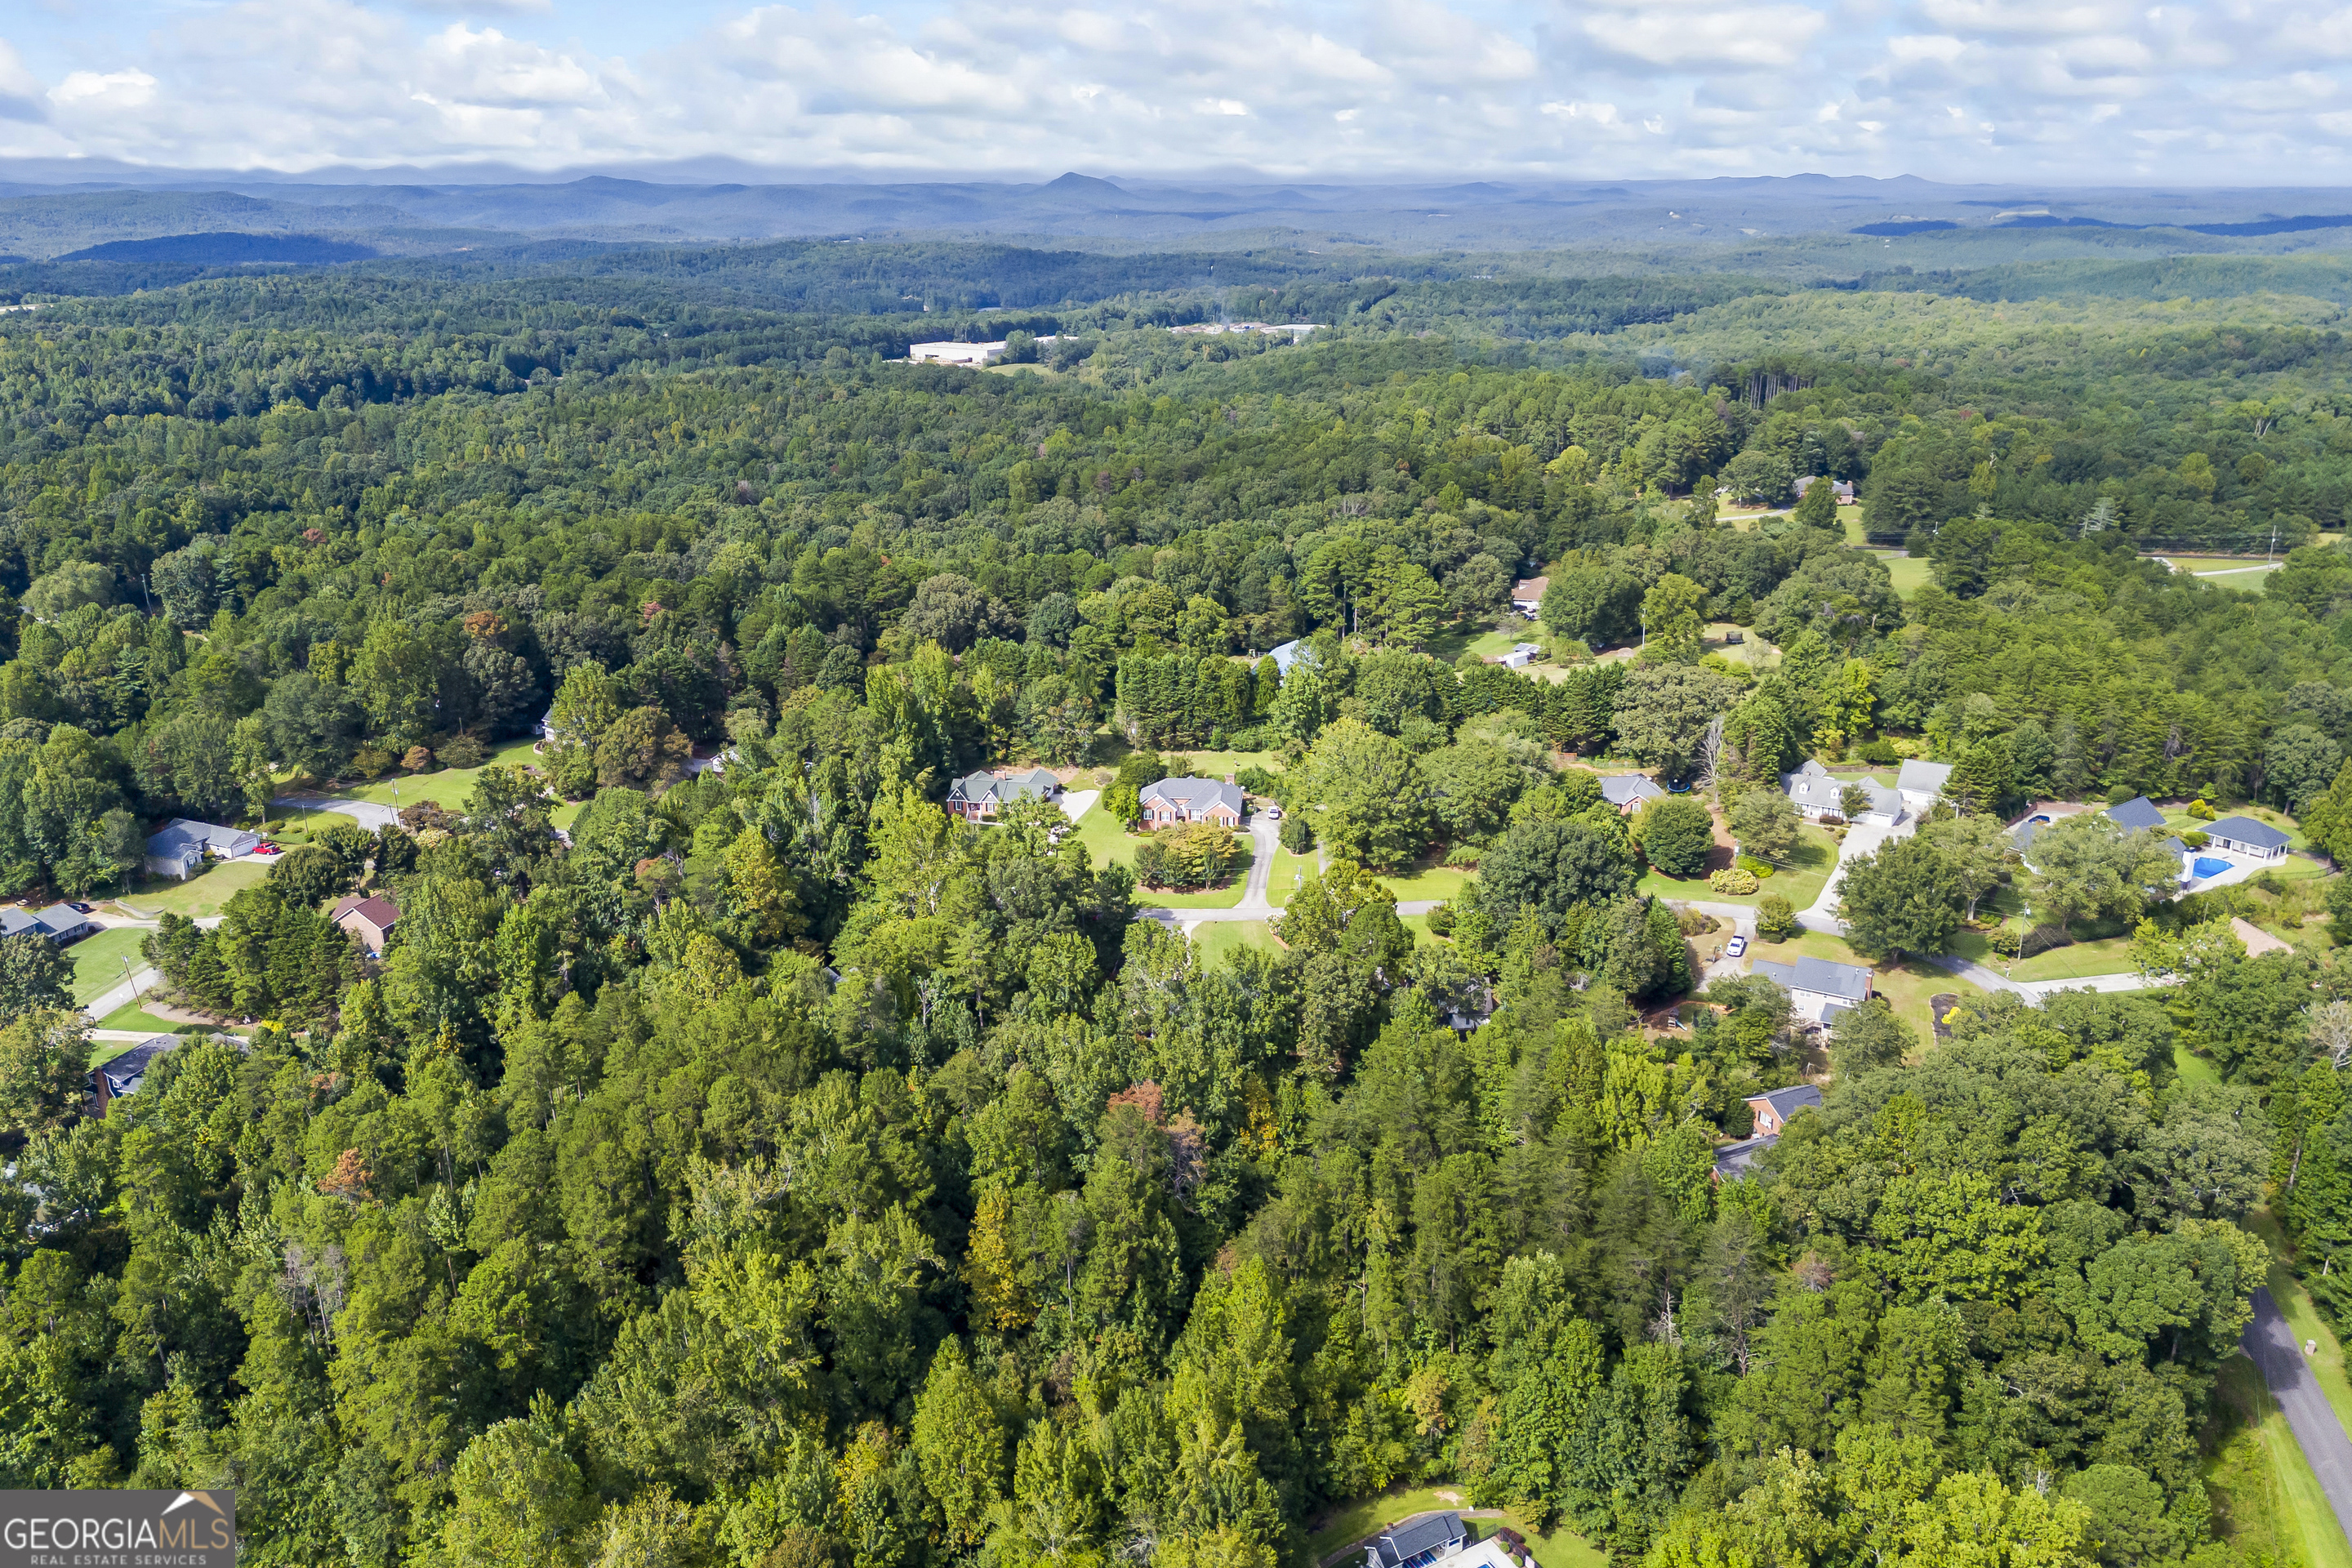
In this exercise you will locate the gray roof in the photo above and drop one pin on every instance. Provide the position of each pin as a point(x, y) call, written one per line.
point(1287, 655)
point(183, 833)
point(1923, 778)
point(2137, 812)
point(2246, 830)
point(1624, 789)
point(1843, 981)
point(124, 1073)
point(1812, 787)
point(14, 921)
point(2022, 834)
point(2176, 847)
point(1194, 795)
point(1784, 1101)
point(985, 786)
point(1407, 1541)
point(62, 918)
point(1732, 1161)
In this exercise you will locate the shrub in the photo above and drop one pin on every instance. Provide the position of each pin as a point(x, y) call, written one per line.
point(2005, 941)
point(418, 759)
point(1256, 780)
point(1752, 866)
point(2121, 794)
point(371, 762)
point(463, 751)
point(1462, 857)
point(1441, 921)
point(1877, 754)
point(1733, 880)
point(1775, 916)
point(2200, 811)
point(1151, 863)
point(1830, 819)
point(2196, 840)
point(1249, 740)
point(1297, 835)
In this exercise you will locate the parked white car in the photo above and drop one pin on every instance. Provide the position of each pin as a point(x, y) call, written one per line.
point(1735, 947)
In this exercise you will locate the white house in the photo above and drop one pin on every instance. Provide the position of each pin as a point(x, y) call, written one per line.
point(1815, 794)
point(1921, 784)
point(1818, 989)
point(2244, 836)
point(1522, 655)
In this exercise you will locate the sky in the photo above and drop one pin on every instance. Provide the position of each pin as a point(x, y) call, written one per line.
point(2094, 91)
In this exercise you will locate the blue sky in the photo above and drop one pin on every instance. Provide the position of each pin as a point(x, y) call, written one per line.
point(2075, 90)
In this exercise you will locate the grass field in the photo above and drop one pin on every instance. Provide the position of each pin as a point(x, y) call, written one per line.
point(449, 787)
point(2074, 960)
point(1427, 881)
point(2270, 1502)
point(2191, 1068)
point(1212, 942)
point(1800, 881)
point(1354, 1521)
point(1279, 884)
point(205, 893)
point(98, 959)
point(1909, 574)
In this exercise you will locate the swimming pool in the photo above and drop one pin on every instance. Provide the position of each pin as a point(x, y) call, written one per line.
point(2206, 865)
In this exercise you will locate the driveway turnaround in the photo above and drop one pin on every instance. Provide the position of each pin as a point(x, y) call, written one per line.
point(2317, 1432)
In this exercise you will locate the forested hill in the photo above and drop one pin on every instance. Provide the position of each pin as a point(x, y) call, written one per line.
point(774, 1168)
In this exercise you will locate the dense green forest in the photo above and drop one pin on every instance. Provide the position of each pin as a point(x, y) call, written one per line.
point(770, 1168)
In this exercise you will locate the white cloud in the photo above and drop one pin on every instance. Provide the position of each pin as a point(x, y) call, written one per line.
point(1330, 88)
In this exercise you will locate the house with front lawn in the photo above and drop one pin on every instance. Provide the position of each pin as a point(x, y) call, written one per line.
point(178, 847)
point(1173, 801)
point(980, 797)
point(1816, 793)
point(1819, 989)
point(2244, 836)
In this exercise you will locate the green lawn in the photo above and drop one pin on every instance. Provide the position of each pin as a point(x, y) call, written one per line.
point(2191, 1068)
point(205, 893)
point(1427, 881)
point(567, 814)
point(98, 959)
point(134, 1016)
point(1800, 881)
point(1213, 940)
point(1355, 1521)
point(2073, 961)
point(1108, 842)
point(2271, 1503)
point(1850, 519)
point(1279, 883)
point(1908, 573)
point(449, 787)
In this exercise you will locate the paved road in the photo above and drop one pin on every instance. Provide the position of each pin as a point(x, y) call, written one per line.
point(122, 995)
point(366, 812)
point(2034, 991)
point(2317, 1432)
point(1861, 838)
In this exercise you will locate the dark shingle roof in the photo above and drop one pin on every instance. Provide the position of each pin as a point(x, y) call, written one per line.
point(1732, 1159)
point(1841, 980)
point(1407, 1541)
point(2246, 830)
point(1794, 1098)
point(2137, 812)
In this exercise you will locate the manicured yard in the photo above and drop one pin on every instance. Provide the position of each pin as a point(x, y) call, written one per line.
point(1800, 881)
point(98, 959)
point(1427, 881)
point(205, 893)
point(134, 1016)
point(2191, 1068)
point(1108, 842)
point(1906, 986)
point(2073, 961)
point(1909, 574)
point(1289, 872)
point(449, 787)
point(1355, 1521)
point(1213, 939)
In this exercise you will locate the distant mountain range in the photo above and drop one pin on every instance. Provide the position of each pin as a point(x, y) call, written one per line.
point(1802, 221)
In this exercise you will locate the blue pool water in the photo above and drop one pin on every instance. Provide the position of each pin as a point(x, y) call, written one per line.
point(2206, 866)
